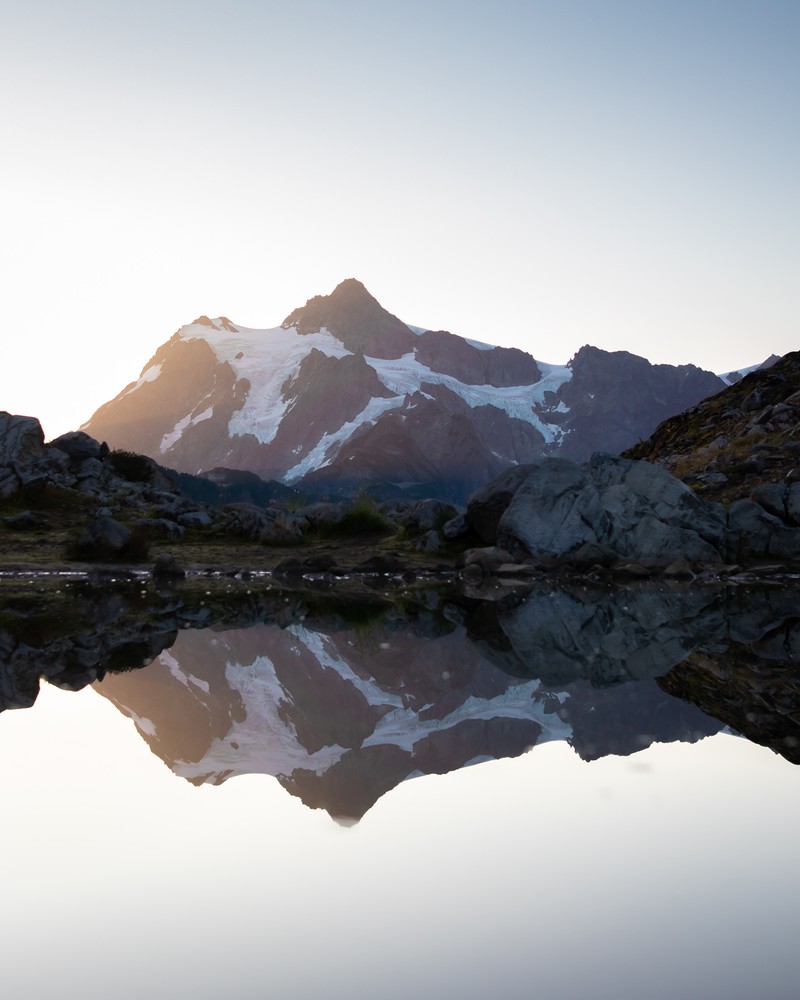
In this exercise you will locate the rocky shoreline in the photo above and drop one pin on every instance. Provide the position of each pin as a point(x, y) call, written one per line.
point(72, 506)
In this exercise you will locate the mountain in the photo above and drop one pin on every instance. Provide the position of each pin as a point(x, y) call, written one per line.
point(743, 439)
point(344, 394)
point(341, 716)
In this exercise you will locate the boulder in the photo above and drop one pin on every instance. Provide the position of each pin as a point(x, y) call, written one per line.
point(628, 509)
point(429, 542)
point(284, 528)
point(103, 538)
point(754, 533)
point(79, 446)
point(195, 519)
point(633, 490)
point(322, 513)
point(426, 515)
point(487, 505)
point(554, 510)
point(456, 527)
point(9, 482)
point(782, 500)
point(162, 527)
point(21, 441)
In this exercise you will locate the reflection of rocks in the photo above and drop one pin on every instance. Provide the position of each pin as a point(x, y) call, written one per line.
point(72, 635)
point(605, 636)
point(71, 643)
point(341, 714)
point(756, 692)
point(341, 702)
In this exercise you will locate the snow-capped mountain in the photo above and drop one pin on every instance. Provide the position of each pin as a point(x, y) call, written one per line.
point(343, 393)
point(342, 716)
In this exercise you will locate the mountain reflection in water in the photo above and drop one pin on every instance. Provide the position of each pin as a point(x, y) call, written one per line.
point(343, 699)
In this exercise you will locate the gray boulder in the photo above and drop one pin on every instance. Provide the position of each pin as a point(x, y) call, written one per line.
point(162, 527)
point(426, 515)
point(653, 515)
point(284, 528)
point(634, 510)
point(195, 519)
point(322, 513)
point(79, 446)
point(103, 538)
point(782, 500)
point(754, 533)
point(456, 527)
point(554, 510)
point(9, 482)
point(21, 441)
point(429, 542)
point(487, 505)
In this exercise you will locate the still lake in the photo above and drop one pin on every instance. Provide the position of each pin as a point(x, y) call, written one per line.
point(540, 795)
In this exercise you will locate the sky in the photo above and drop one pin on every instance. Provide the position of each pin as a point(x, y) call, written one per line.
point(540, 174)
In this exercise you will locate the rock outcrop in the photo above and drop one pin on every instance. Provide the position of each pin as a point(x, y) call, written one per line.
point(739, 440)
point(625, 510)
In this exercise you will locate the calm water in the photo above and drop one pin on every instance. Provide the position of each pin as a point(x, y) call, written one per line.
point(422, 797)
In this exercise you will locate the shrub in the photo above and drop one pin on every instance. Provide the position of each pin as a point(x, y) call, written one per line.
point(135, 468)
point(361, 519)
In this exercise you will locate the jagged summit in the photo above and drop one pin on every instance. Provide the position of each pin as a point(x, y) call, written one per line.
point(357, 319)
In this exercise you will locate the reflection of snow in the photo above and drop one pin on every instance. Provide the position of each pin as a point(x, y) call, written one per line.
point(266, 741)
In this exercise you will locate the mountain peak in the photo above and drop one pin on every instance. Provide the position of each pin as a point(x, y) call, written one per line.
point(356, 318)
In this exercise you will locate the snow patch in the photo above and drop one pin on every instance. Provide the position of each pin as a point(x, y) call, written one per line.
point(183, 424)
point(323, 452)
point(148, 375)
point(266, 358)
point(406, 375)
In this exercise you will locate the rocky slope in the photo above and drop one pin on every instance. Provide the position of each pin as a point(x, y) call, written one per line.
point(629, 516)
point(344, 394)
point(742, 439)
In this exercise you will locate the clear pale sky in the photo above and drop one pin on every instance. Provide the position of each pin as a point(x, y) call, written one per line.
point(535, 174)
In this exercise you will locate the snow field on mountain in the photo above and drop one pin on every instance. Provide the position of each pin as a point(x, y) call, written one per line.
point(267, 358)
point(324, 451)
point(183, 424)
point(148, 375)
point(406, 375)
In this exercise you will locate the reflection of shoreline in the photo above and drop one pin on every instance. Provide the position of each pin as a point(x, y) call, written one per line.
point(341, 699)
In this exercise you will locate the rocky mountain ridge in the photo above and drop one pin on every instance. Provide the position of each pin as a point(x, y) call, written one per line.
point(742, 440)
point(344, 395)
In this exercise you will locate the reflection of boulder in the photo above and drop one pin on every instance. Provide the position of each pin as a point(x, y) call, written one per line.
point(604, 636)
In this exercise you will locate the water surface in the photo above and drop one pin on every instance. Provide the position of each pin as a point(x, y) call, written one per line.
point(408, 798)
